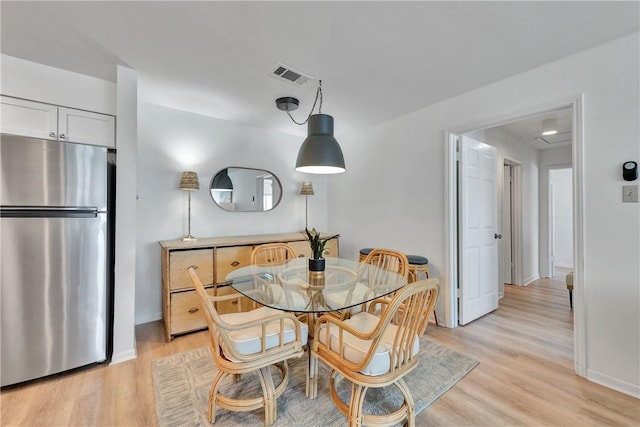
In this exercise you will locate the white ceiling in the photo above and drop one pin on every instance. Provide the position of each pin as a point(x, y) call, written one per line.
point(377, 60)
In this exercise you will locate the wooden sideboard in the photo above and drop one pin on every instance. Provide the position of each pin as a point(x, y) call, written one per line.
point(215, 258)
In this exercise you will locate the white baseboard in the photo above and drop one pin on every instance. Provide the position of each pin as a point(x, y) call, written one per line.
point(531, 279)
point(614, 383)
point(148, 318)
point(123, 357)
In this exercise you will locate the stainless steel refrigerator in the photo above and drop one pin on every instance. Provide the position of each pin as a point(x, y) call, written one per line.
point(55, 257)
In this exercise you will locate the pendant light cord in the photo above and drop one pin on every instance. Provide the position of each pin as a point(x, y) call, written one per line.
point(318, 95)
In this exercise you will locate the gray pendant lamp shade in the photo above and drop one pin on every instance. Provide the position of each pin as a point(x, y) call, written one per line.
point(222, 182)
point(320, 152)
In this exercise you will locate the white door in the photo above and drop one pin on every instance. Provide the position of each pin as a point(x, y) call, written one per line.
point(507, 252)
point(478, 254)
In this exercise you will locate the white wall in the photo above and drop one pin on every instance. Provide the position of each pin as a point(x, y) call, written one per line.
point(37, 82)
point(516, 150)
point(393, 192)
point(171, 141)
point(562, 196)
point(548, 160)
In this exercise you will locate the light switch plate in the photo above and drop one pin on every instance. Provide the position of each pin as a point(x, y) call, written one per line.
point(630, 193)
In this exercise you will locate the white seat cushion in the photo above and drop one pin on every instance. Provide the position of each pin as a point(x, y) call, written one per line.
point(356, 349)
point(247, 341)
point(344, 298)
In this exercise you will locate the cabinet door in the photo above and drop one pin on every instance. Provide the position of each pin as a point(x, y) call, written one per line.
point(231, 258)
point(301, 248)
point(86, 128)
point(180, 261)
point(28, 118)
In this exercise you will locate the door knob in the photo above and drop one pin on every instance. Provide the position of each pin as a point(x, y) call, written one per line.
point(497, 236)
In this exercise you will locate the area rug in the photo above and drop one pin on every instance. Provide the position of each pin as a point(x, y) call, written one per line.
point(181, 385)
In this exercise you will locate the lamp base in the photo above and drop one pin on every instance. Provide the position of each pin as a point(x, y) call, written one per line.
point(189, 238)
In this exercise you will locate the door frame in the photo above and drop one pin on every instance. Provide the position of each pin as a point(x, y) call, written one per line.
point(516, 219)
point(450, 272)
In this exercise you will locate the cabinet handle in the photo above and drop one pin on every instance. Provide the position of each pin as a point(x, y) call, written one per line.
point(301, 256)
point(62, 136)
point(52, 134)
point(193, 310)
point(235, 264)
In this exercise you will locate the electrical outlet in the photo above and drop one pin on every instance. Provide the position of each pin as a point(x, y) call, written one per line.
point(630, 193)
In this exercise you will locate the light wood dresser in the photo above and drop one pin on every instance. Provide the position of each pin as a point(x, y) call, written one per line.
point(215, 258)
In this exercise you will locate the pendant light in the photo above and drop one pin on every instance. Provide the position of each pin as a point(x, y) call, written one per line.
point(320, 153)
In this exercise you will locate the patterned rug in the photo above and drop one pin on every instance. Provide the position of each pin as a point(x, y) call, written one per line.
point(181, 385)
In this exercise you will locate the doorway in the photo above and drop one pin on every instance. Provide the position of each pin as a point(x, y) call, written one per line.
point(452, 274)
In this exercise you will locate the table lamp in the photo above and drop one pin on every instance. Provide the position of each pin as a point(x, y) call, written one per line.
point(189, 182)
point(306, 190)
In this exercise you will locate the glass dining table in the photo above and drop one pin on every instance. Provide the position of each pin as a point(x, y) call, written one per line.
point(292, 287)
point(342, 286)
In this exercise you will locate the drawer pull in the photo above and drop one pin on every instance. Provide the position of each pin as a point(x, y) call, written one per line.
point(301, 256)
point(234, 302)
point(193, 310)
point(235, 264)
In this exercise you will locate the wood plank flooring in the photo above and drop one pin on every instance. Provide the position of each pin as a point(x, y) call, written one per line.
point(525, 376)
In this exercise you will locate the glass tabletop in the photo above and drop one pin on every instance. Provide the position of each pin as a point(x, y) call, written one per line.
point(292, 287)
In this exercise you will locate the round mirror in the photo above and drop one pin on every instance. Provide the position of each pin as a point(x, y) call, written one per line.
point(245, 190)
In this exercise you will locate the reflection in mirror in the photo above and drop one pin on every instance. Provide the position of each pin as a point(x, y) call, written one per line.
point(245, 190)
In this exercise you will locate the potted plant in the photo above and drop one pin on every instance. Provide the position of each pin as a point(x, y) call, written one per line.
point(317, 244)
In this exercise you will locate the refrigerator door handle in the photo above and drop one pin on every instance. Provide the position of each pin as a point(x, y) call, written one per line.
point(48, 212)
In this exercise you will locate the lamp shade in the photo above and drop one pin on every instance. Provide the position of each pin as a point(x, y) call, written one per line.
point(307, 189)
point(189, 181)
point(320, 152)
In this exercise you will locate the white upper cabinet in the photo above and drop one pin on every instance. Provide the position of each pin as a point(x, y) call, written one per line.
point(37, 120)
point(27, 118)
point(85, 127)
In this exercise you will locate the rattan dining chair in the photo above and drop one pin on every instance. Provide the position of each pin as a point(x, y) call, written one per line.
point(249, 342)
point(385, 260)
point(272, 254)
point(375, 351)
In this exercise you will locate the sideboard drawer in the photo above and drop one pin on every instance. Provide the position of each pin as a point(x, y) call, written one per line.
point(331, 249)
point(301, 248)
point(186, 312)
point(231, 258)
point(231, 306)
point(180, 261)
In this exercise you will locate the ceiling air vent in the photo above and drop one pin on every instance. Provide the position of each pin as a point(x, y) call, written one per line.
point(557, 138)
point(284, 72)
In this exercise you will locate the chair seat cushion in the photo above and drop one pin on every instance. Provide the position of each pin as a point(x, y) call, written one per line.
point(417, 260)
point(365, 251)
point(247, 341)
point(356, 349)
point(341, 299)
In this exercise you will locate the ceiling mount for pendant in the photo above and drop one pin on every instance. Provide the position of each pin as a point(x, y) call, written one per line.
point(287, 103)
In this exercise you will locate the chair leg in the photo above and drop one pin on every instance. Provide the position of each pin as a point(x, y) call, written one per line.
point(408, 401)
point(571, 298)
point(355, 406)
point(268, 390)
point(312, 377)
point(213, 396)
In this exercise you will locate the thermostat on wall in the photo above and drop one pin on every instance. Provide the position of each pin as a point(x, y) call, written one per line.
point(630, 171)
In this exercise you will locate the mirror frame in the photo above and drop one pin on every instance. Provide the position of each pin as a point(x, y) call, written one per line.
point(276, 179)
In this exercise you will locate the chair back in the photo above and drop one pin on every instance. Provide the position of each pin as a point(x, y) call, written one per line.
point(409, 311)
point(272, 254)
point(385, 260)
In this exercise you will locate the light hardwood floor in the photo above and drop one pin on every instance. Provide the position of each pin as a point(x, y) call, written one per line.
point(525, 376)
